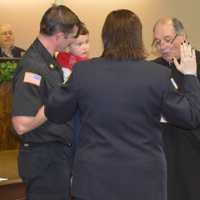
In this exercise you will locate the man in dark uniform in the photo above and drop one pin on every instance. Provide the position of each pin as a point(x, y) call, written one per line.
point(45, 155)
point(182, 146)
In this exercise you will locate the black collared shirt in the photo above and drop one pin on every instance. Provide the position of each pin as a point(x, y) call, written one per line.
point(36, 75)
point(16, 52)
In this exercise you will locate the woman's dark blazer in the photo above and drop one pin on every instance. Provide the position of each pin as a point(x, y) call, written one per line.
point(120, 154)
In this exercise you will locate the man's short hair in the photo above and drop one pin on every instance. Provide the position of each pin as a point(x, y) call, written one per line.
point(178, 26)
point(58, 19)
point(176, 23)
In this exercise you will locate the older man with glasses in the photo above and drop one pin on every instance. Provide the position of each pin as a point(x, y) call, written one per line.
point(182, 147)
point(7, 42)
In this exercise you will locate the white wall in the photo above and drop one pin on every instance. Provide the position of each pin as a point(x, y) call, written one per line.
point(25, 15)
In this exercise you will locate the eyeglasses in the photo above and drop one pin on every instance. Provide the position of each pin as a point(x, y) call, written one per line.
point(167, 40)
point(6, 33)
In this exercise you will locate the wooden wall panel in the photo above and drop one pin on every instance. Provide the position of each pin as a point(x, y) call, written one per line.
point(8, 140)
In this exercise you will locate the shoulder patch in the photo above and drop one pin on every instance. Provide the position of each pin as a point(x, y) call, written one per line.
point(32, 78)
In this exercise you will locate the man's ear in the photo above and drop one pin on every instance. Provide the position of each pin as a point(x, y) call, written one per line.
point(59, 35)
point(184, 35)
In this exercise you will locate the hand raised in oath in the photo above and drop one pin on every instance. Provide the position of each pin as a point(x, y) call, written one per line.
point(188, 64)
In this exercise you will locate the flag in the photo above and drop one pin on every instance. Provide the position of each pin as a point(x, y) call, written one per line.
point(32, 78)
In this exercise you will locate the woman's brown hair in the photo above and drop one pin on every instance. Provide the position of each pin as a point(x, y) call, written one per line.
point(122, 36)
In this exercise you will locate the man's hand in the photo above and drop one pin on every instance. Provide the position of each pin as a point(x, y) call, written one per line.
point(188, 65)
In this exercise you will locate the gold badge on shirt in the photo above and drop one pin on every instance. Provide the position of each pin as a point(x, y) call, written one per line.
point(51, 66)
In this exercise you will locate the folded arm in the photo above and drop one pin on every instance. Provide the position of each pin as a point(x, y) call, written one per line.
point(24, 124)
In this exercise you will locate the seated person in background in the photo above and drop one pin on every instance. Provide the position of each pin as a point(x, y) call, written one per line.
point(7, 40)
point(77, 51)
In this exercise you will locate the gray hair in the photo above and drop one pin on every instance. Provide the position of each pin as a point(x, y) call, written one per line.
point(178, 26)
point(176, 23)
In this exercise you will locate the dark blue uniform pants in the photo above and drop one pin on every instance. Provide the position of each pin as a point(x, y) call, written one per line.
point(46, 170)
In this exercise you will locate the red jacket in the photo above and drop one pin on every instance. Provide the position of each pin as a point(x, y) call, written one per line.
point(67, 60)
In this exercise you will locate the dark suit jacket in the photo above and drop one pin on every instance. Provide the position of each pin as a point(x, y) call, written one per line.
point(120, 154)
point(178, 77)
point(16, 52)
point(182, 149)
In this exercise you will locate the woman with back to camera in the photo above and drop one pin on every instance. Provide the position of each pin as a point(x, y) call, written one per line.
point(121, 98)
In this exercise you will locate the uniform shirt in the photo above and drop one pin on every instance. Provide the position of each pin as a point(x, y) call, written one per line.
point(16, 52)
point(36, 75)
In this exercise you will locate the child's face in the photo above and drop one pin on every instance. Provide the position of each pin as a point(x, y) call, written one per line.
point(80, 46)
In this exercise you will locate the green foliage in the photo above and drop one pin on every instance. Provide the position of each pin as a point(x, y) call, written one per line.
point(7, 70)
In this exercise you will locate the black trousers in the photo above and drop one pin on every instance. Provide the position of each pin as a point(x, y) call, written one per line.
point(46, 170)
point(182, 151)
